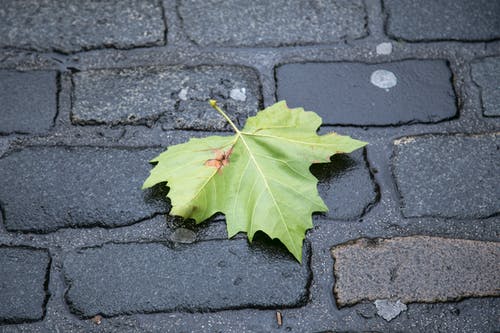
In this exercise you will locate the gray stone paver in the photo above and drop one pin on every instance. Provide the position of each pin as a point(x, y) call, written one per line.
point(344, 93)
point(415, 269)
point(74, 25)
point(271, 23)
point(23, 114)
point(485, 75)
point(23, 273)
point(155, 277)
point(91, 90)
point(64, 189)
point(462, 182)
point(443, 20)
point(176, 97)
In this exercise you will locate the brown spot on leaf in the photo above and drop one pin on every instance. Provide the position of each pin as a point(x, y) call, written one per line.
point(216, 163)
point(219, 154)
point(221, 159)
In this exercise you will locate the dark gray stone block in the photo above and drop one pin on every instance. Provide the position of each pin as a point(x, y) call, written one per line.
point(453, 176)
point(345, 185)
point(272, 23)
point(46, 188)
point(28, 101)
point(486, 74)
point(443, 20)
point(70, 26)
point(415, 269)
point(177, 97)
point(23, 280)
point(365, 94)
point(153, 277)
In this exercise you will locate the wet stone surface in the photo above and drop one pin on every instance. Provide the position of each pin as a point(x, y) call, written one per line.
point(443, 20)
point(271, 23)
point(453, 176)
point(76, 187)
point(91, 90)
point(175, 97)
point(27, 115)
point(411, 91)
point(205, 276)
point(80, 25)
point(485, 74)
point(415, 269)
point(23, 276)
point(345, 185)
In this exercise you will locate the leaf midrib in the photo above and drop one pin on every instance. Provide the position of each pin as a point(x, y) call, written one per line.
point(240, 135)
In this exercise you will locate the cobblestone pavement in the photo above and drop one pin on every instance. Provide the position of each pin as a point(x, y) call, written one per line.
point(90, 91)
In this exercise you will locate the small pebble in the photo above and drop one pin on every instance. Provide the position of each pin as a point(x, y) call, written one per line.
point(97, 319)
point(183, 235)
point(388, 309)
point(183, 94)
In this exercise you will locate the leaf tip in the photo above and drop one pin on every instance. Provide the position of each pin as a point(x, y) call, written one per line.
point(282, 102)
point(298, 257)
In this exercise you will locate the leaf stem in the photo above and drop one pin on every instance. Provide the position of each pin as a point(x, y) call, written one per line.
point(213, 103)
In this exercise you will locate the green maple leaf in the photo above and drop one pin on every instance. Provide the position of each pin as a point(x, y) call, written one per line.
point(259, 177)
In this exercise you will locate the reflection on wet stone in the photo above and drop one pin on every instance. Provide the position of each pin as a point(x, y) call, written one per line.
point(345, 185)
point(158, 195)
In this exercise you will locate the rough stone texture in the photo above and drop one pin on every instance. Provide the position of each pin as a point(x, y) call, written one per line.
point(341, 93)
point(45, 188)
point(212, 275)
point(448, 175)
point(74, 25)
point(177, 97)
point(272, 23)
point(415, 269)
point(486, 75)
point(27, 115)
point(23, 277)
point(345, 185)
point(443, 20)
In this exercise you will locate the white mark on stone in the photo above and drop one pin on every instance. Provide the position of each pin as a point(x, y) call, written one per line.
point(388, 309)
point(238, 94)
point(384, 48)
point(183, 94)
point(404, 141)
point(383, 79)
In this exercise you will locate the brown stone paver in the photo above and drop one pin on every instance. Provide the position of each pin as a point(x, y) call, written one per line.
point(415, 269)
